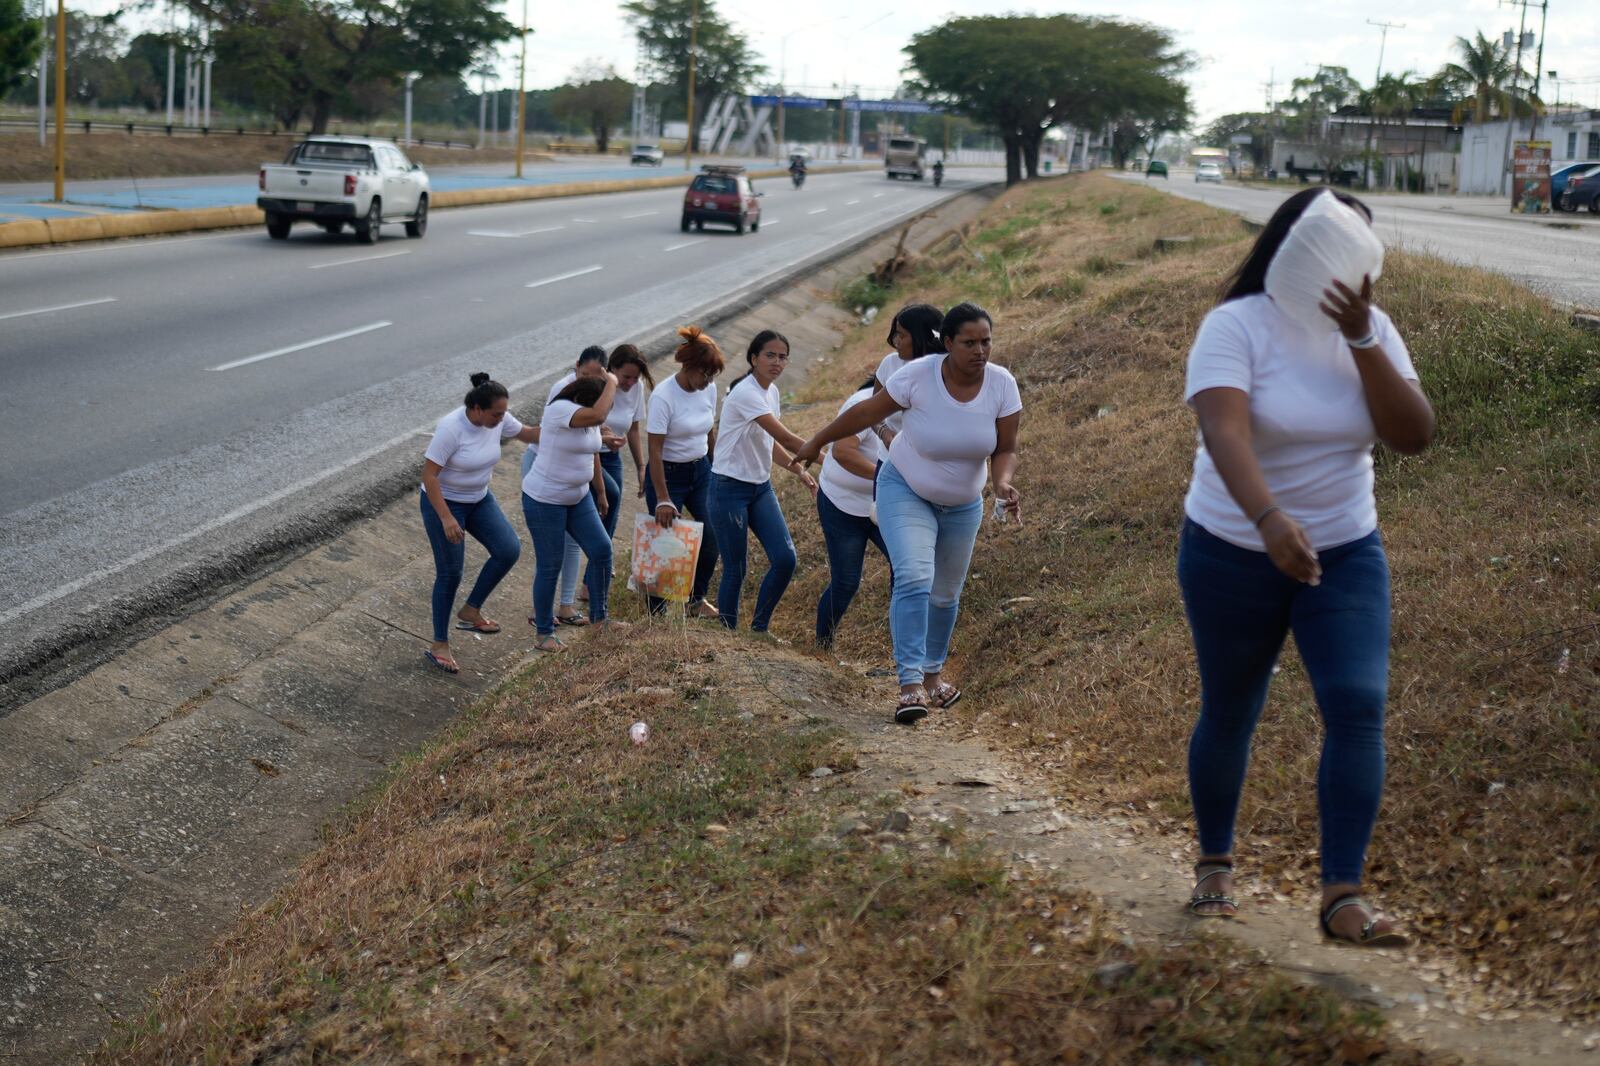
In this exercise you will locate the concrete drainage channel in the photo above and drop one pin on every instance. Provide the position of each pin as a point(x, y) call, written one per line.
point(151, 798)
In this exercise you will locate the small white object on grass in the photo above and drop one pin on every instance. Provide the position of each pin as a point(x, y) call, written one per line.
point(639, 732)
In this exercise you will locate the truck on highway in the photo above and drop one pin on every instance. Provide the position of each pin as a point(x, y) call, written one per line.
point(362, 182)
point(904, 155)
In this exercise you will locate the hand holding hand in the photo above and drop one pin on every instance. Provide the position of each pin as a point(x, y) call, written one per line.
point(1289, 548)
point(808, 481)
point(1351, 310)
point(809, 453)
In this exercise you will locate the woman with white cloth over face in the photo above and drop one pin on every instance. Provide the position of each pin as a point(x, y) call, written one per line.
point(456, 501)
point(563, 494)
point(749, 440)
point(962, 414)
point(1293, 378)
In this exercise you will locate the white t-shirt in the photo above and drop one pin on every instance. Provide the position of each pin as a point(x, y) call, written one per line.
point(744, 449)
point(626, 409)
point(565, 467)
point(943, 448)
point(549, 398)
point(1309, 423)
point(684, 417)
point(467, 454)
point(846, 491)
point(891, 365)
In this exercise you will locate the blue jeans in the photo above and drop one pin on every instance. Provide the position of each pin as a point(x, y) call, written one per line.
point(549, 524)
point(930, 546)
point(738, 506)
point(574, 554)
point(689, 489)
point(487, 524)
point(847, 537)
point(1240, 608)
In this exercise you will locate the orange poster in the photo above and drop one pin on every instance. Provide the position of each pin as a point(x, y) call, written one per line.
point(1530, 177)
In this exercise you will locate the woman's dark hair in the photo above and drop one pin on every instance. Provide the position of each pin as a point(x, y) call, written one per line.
point(584, 392)
point(592, 354)
point(485, 391)
point(627, 355)
point(1251, 277)
point(959, 316)
point(758, 342)
point(922, 321)
point(698, 351)
point(870, 383)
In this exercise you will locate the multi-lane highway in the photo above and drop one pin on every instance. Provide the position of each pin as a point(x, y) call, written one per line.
point(1557, 255)
point(168, 400)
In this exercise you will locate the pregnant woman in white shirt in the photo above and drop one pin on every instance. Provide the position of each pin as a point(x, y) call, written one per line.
point(1281, 536)
point(749, 440)
point(962, 414)
point(456, 501)
point(560, 495)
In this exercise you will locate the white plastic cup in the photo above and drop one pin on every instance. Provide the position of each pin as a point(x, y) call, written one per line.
point(639, 732)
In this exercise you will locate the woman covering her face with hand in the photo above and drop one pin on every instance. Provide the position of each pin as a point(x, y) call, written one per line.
point(681, 428)
point(560, 495)
point(962, 414)
point(749, 440)
point(456, 501)
point(1281, 536)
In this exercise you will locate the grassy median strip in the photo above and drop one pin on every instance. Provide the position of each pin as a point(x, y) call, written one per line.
point(1073, 634)
point(534, 888)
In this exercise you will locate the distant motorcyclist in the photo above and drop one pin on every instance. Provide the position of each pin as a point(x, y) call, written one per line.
point(797, 170)
point(938, 173)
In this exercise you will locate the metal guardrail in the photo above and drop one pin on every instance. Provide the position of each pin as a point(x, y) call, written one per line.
point(176, 130)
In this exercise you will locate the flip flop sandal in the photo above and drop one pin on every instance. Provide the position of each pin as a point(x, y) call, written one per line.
point(444, 664)
point(1368, 938)
point(944, 696)
point(1205, 871)
point(577, 620)
point(910, 707)
point(482, 625)
point(551, 645)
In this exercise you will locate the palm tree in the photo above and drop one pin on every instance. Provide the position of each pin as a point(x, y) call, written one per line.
point(1487, 81)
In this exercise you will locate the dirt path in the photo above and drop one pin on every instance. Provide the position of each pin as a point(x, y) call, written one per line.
point(948, 773)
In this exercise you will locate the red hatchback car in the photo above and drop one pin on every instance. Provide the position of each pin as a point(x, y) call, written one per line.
point(721, 194)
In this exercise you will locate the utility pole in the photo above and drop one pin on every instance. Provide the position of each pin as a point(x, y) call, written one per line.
point(411, 79)
point(1372, 107)
point(522, 91)
point(172, 55)
point(61, 100)
point(694, 43)
point(1538, 68)
point(1511, 119)
point(483, 102)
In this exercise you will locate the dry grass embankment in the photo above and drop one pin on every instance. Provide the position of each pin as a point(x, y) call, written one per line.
point(1488, 837)
point(112, 155)
point(532, 888)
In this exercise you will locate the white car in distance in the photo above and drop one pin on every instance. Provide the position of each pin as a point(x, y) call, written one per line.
point(1208, 172)
point(647, 155)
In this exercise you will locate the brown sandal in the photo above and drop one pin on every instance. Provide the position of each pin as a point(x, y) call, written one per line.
point(1369, 936)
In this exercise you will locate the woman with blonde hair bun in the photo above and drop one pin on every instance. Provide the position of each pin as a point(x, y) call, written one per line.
point(681, 430)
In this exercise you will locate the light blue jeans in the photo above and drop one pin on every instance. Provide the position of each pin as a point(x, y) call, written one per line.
point(930, 546)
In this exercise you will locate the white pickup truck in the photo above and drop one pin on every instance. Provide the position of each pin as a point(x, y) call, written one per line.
point(337, 180)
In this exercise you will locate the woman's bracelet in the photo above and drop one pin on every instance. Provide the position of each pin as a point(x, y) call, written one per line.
point(1262, 517)
point(1369, 341)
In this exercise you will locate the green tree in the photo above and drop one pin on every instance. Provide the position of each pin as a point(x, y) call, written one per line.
point(724, 60)
point(319, 55)
point(597, 98)
point(1257, 124)
point(19, 44)
point(1314, 100)
point(1484, 81)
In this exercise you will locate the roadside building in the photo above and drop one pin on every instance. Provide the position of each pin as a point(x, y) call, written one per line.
point(1574, 137)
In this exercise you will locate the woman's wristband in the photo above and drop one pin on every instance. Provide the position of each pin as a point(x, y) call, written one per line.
point(1369, 341)
point(1262, 517)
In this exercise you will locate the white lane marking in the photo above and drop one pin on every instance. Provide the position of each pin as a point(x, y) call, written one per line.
point(303, 346)
point(876, 195)
point(585, 221)
point(359, 259)
point(59, 307)
point(818, 211)
point(115, 245)
point(641, 214)
point(512, 234)
point(851, 203)
point(773, 222)
point(685, 244)
point(563, 277)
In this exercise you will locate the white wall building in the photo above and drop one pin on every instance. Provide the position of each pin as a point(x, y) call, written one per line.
point(1574, 137)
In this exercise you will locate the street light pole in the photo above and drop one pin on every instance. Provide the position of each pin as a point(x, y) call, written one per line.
point(411, 79)
point(61, 100)
point(522, 91)
point(44, 64)
point(694, 38)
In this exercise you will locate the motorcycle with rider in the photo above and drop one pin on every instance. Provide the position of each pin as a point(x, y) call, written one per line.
point(797, 170)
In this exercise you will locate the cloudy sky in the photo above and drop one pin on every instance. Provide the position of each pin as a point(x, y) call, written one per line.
point(1240, 44)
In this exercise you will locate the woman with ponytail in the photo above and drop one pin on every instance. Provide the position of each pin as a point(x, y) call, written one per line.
point(749, 440)
point(456, 501)
point(681, 429)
